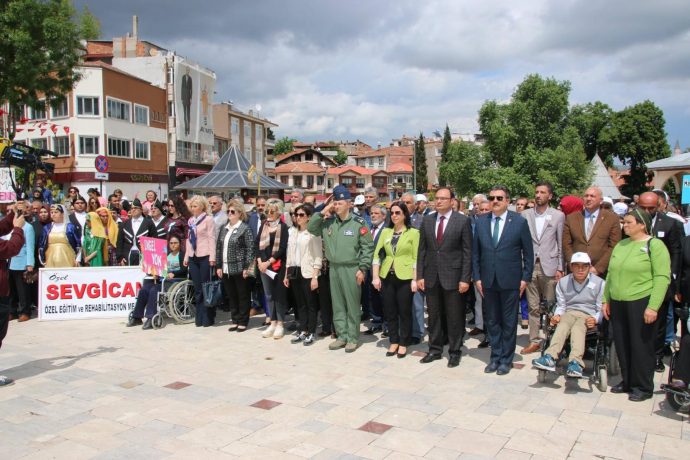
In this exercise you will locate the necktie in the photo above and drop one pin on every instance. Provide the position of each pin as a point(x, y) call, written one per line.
point(373, 231)
point(439, 230)
point(590, 225)
point(496, 228)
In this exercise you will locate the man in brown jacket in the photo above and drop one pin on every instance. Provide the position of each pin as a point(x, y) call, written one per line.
point(594, 231)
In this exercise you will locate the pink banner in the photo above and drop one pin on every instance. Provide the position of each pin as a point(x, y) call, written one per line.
point(155, 252)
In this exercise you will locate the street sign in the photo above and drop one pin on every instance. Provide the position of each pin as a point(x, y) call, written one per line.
point(101, 176)
point(102, 164)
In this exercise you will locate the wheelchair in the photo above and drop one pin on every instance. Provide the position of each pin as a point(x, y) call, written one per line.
point(678, 399)
point(599, 348)
point(176, 301)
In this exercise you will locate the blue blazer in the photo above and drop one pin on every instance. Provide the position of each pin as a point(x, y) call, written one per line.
point(73, 236)
point(25, 258)
point(508, 263)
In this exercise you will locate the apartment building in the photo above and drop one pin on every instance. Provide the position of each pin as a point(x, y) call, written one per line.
point(304, 168)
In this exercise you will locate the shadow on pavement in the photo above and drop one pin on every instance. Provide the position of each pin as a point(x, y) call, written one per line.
point(39, 366)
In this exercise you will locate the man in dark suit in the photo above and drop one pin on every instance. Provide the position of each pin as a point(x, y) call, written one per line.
point(594, 231)
point(186, 97)
point(128, 246)
point(257, 216)
point(444, 268)
point(377, 217)
point(160, 222)
point(502, 263)
point(671, 232)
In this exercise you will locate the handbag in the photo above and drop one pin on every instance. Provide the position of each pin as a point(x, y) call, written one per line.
point(212, 291)
point(293, 273)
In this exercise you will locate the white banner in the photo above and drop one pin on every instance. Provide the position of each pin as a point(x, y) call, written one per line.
point(194, 89)
point(7, 194)
point(87, 293)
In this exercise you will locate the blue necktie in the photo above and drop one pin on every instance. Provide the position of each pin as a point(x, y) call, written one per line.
point(495, 234)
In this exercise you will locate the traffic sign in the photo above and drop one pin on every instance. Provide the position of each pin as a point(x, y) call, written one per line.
point(102, 164)
point(101, 176)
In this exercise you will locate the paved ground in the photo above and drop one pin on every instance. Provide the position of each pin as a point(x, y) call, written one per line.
point(95, 389)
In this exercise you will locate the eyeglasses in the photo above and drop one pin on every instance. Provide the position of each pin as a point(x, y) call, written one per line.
point(170, 205)
point(232, 211)
point(396, 213)
point(496, 198)
point(300, 214)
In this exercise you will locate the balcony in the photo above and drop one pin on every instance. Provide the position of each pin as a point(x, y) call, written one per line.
point(206, 157)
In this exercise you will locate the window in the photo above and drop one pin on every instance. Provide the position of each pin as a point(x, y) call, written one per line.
point(157, 117)
point(61, 146)
point(378, 182)
point(59, 109)
point(310, 182)
point(118, 109)
point(297, 181)
point(348, 180)
point(309, 156)
point(247, 130)
point(284, 179)
point(235, 127)
point(88, 145)
point(319, 180)
point(248, 152)
point(360, 183)
point(141, 115)
point(87, 105)
point(141, 150)
point(370, 163)
point(258, 133)
point(381, 162)
point(118, 147)
point(41, 143)
point(38, 113)
point(330, 183)
point(220, 145)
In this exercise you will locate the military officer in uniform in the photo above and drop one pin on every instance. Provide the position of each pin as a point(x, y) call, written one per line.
point(349, 250)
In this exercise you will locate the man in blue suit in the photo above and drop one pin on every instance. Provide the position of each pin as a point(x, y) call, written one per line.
point(502, 263)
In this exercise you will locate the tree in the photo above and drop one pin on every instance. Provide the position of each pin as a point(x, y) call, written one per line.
point(590, 120)
point(284, 145)
point(39, 51)
point(421, 180)
point(340, 158)
point(535, 116)
point(636, 136)
point(462, 165)
point(442, 179)
point(90, 26)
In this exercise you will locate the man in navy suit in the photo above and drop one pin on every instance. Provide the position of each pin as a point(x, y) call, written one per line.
point(502, 263)
point(377, 215)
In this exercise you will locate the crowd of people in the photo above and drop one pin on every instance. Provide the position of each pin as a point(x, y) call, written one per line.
point(350, 259)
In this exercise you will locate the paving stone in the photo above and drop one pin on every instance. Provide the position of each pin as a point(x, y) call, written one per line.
point(472, 442)
point(605, 445)
point(666, 447)
point(266, 404)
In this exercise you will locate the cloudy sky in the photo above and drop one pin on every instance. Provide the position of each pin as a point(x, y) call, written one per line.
point(374, 70)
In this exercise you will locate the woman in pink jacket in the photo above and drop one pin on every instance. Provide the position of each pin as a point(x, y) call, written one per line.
point(200, 256)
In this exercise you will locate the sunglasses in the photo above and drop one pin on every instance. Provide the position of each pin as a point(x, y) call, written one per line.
point(300, 214)
point(232, 211)
point(397, 213)
point(496, 198)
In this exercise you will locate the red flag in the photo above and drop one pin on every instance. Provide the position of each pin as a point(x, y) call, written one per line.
point(19, 130)
point(2, 112)
point(31, 130)
point(23, 120)
point(53, 128)
point(66, 128)
point(42, 131)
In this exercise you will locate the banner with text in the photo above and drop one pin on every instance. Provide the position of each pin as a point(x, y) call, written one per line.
point(79, 293)
point(155, 251)
point(7, 193)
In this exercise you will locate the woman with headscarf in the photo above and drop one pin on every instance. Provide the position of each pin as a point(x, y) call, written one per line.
point(571, 204)
point(638, 277)
point(44, 215)
point(100, 240)
point(61, 242)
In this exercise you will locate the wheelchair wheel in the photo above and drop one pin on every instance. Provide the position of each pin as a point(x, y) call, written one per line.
point(678, 402)
point(603, 379)
point(181, 302)
point(541, 376)
point(613, 366)
point(157, 321)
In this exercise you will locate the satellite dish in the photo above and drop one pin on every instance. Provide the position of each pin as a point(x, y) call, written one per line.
point(258, 107)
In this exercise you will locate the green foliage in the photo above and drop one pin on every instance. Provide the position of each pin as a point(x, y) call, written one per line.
point(340, 158)
point(89, 25)
point(442, 179)
point(39, 51)
point(284, 145)
point(636, 136)
point(421, 179)
point(462, 165)
point(590, 120)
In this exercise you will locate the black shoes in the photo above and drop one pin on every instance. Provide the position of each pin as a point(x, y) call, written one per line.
point(638, 396)
point(503, 369)
point(415, 340)
point(620, 388)
point(454, 360)
point(659, 367)
point(134, 322)
point(373, 330)
point(148, 324)
point(429, 358)
point(483, 344)
point(491, 368)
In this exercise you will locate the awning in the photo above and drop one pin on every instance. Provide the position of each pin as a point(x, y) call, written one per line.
point(189, 172)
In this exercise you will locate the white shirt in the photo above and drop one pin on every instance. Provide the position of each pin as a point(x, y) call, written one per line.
point(540, 221)
point(156, 222)
point(501, 224)
point(376, 229)
point(136, 223)
point(445, 221)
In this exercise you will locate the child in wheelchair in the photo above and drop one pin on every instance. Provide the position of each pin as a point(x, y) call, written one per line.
point(579, 298)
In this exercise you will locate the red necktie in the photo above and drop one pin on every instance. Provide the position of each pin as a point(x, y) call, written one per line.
point(439, 230)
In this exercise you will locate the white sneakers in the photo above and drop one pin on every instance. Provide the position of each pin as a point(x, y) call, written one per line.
point(277, 332)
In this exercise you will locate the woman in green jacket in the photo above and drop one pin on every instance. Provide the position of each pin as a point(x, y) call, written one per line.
point(639, 274)
point(399, 272)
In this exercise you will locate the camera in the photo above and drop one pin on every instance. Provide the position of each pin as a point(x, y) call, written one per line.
point(28, 158)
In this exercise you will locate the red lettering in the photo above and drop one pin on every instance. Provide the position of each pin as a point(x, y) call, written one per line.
point(92, 291)
point(112, 290)
point(79, 290)
point(52, 291)
point(66, 291)
point(128, 291)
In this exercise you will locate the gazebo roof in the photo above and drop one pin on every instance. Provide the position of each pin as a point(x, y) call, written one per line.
point(230, 173)
point(603, 180)
point(679, 161)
